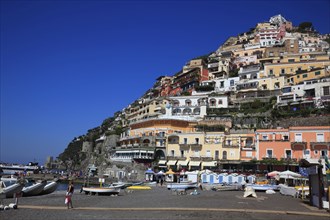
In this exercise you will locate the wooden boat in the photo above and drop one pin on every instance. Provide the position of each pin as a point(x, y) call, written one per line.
point(106, 190)
point(182, 185)
point(50, 187)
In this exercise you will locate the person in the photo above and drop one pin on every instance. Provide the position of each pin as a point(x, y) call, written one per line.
point(69, 193)
point(161, 181)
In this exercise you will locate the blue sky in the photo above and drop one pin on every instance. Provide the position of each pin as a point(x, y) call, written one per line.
point(68, 65)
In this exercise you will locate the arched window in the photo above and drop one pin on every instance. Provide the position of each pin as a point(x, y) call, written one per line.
point(188, 102)
point(224, 155)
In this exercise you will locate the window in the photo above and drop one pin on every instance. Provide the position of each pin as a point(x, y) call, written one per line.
point(271, 72)
point(232, 82)
point(326, 90)
point(324, 153)
point(222, 84)
point(291, 60)
point(196, 140)
point(196, 153)
point(282, 71)
point(288, 154)
point(185, 141)
point(264, 137)
point(220, 102)
point(285, 137)
point(317, 73)
point(224, 155)
point(305, 75)
point(269, 153)
point(298, 137)
point(208, 153)
point(172, 153)
point(182, 153)
point(249, 154)
point(319, 137)
point(216, 155)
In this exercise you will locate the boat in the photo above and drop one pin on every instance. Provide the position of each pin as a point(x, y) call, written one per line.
point(222, 187)
point(33, 188)
point(182, 185)
point(138, 187)
point(13, 168)
point(263, 187)
point(10, 188)
point(104, 190)
point(50, 187)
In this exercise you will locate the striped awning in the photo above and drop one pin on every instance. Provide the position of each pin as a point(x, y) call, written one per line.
point(210, 164)
point(182, 162)
point(171, 162)
point(194, 163)
point(163, 162)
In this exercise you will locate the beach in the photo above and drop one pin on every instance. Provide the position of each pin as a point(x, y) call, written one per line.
point(161, 203)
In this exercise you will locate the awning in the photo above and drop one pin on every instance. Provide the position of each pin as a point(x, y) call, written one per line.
point(182, 162)
point(171, 162)
point(210, 164)
point(194, 163)
point(162, 162)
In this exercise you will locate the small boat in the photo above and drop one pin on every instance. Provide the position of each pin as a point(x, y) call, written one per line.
point(50, 187)
point(10, 188)
point(138, 187)
point(32, 188)
point(263, 187)
point(106, 190)
point(182, 185)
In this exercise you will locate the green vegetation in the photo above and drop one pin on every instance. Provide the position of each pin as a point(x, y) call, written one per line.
point(205, 88)
point(72, 155)
point(306, 27)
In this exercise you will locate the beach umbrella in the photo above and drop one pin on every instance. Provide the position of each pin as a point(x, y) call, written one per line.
point(170, 172)
point(273, 173)
point(149, 171)
point(289, 174)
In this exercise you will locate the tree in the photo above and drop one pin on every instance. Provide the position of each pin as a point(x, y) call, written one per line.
point(306, 27)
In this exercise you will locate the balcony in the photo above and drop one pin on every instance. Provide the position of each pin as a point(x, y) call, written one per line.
point(265, 140)
point(298, 145)
point(184, 145)
point(176, 158)
point(230, 146)
point(320, 145)
point(195, 145)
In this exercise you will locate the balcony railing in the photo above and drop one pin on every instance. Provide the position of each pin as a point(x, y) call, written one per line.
point(230, 146)
point(298, 145)
point(320, 145)
point(176, 158)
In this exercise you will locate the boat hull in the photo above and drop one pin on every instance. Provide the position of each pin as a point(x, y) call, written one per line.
point(101, 190)
point(34, 190)
point(13, 189)
point(49, 188)
point(181, 185)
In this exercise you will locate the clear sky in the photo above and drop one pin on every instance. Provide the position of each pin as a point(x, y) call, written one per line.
point(68, 65)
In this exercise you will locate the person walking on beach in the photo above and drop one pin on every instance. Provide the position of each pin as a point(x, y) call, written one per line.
point(68, 197)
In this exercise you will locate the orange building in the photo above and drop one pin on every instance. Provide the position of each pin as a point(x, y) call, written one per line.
point(293, 143)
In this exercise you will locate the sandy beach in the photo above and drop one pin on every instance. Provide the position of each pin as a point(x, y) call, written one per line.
point(161, 203)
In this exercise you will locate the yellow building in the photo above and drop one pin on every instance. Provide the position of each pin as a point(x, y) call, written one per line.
point(310, 74)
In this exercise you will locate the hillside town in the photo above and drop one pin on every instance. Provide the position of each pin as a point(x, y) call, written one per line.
point(260, 100)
